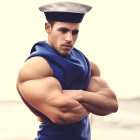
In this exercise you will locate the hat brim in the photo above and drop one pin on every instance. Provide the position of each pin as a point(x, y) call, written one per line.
point(64, 17)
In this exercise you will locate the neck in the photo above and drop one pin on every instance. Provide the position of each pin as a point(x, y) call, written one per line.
point(48, 40)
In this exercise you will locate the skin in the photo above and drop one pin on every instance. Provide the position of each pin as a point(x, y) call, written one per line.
point(62, 36)
point(43, 94)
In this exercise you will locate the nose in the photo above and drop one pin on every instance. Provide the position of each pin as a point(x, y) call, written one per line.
point(69, 37)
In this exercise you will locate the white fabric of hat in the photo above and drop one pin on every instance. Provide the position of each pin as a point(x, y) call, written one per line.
point(65, 6)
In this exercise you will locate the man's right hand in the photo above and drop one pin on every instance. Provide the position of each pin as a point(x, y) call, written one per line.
point(42, 91)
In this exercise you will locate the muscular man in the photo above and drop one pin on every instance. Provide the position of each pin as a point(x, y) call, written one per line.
point(58, 83)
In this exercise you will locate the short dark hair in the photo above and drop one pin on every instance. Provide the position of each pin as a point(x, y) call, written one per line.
point(52, 23)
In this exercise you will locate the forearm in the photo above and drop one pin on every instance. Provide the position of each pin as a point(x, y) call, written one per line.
point(99, 98)
point(101, 103)
point(64, 110)
point(98, 103)
point(72, 114)
point(95, 110)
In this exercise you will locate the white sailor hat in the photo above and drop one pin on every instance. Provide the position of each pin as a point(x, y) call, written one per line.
point(65, 11)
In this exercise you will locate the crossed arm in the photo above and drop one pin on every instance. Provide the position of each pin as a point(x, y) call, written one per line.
point(98, 98)
point(44, 93)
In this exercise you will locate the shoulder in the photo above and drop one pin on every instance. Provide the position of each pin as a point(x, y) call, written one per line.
point(95, 71)
point(34, 68)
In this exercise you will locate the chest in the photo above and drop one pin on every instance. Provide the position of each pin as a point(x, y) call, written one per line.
point(70, 73)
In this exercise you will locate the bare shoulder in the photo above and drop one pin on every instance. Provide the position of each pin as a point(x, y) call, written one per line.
point(97, 83)
point(95, 71)
point(34, 68)
point(96, 78)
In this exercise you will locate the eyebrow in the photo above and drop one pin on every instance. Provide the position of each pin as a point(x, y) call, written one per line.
point(63, 28)
point(66, 29)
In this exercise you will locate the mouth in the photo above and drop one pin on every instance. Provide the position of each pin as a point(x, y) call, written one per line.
point(67, 46)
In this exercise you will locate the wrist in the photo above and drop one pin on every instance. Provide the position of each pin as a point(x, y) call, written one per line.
point(81, 95)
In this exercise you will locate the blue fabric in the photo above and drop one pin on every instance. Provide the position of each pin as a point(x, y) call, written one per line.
point(73, 72)
point(64, 16)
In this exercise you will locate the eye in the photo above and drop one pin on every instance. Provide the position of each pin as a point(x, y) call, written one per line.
point(75, 32)
point(63, 31)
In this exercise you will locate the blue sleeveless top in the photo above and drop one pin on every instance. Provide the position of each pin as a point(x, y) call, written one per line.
point(73, 73)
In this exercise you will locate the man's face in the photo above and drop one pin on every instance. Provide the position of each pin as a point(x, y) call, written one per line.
point(63, 36)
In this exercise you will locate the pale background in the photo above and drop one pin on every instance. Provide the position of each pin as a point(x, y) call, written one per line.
point(109, 36)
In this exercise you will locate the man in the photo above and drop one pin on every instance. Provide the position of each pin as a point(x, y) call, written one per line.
point(58, 83)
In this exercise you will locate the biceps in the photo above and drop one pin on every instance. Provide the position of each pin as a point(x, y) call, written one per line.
point(96, 84)
point(100, 86)
point(40, 93)
point(36, 90)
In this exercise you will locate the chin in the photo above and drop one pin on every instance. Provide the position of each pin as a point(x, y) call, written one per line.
point(65, 54)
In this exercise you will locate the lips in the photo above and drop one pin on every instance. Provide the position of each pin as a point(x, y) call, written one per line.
point(67, 46)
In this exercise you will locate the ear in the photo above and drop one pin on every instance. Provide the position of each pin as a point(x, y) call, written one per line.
point(48, 27)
